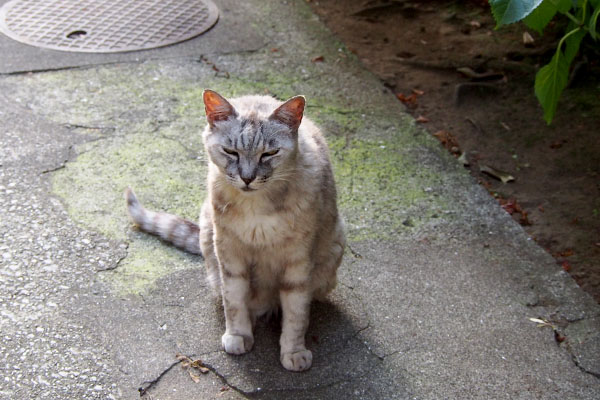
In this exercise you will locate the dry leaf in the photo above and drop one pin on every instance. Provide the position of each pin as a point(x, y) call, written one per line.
point(195, 378)
point(318, 59)
point(410, 101)
point(199, 366)
point(418, 92)
point(496, 173)
point(527, 39)
point(542, 323)
point(421, 119)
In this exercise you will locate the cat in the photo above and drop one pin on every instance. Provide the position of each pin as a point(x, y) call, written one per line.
point(269, 230)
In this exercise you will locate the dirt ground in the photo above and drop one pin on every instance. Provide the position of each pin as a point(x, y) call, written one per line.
point(472, 87)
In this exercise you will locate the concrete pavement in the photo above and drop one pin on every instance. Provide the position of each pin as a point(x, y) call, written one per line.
point(435, 293)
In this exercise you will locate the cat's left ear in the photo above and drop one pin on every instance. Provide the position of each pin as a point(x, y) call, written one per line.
point(290, 113)
point(217, 108)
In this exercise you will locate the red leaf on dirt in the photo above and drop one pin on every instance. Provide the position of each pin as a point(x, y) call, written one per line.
point(508, 205)
point(566, 266)
point(410, 101)
point(318, 59)
point(524, 219)
point(422, 120)
point(566, 253)
point(448, 141)
point(274, 50)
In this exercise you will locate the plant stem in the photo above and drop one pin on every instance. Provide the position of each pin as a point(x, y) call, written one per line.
point(572, 18)
point(566, 36)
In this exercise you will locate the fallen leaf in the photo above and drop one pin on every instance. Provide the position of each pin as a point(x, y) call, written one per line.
point(475, 24)
point(410, 101)
point(421, 119)
point(318, 59)
point(199, 366)
point(496, 173)
point(510, 205)
point(418, 92)
point(566, 266)
point(597, 244)
point(527, 39)
point(542, 323)
point(274, 50)
point(505, 126)
point(448, 141)
point(566, 253)
point(224, 389)
point(195, 378)
point(524, 220)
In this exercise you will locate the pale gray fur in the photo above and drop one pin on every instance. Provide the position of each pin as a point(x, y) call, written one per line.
point(270, 231)
point(182, 233)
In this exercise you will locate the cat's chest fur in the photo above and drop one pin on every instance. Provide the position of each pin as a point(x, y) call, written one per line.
point(258, 223)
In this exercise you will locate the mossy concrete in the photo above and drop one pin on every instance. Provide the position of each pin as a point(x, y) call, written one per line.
point(153, 144)
point(434, 300)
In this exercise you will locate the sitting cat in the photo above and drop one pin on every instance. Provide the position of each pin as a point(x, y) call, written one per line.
point(269, 228)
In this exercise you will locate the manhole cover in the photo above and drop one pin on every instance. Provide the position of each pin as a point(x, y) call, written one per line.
point(105, 26)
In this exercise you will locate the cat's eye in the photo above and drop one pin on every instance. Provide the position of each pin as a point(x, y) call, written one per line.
point(267, 154)
point(230, 152)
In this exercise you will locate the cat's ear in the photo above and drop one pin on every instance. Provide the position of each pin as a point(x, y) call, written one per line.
point(290, 113)
point(216, 107)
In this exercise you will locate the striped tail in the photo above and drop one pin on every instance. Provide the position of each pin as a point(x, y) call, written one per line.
point(171, 228)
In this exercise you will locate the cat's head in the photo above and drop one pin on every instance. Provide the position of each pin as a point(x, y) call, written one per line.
point(251, 148)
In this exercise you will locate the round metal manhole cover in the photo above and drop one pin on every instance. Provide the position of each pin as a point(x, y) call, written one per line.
point(105, 26)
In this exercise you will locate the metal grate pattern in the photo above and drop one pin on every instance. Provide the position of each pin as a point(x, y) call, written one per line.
point(105, 26)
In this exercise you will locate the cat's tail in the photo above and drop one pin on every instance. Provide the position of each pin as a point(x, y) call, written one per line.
point(171, 228)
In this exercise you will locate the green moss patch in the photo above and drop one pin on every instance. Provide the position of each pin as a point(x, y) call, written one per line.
point(380, 191)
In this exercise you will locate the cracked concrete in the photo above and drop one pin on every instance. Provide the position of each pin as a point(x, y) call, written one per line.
point(435, 291)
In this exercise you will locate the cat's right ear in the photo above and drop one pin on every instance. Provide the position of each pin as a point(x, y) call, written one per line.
point(216, 107)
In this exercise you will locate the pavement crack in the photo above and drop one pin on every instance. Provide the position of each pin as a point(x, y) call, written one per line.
point(581, 367)
point(61, 166)
point(99, 128)
point(147, 385)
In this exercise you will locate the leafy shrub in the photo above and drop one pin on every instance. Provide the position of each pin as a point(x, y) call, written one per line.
point(552, 78)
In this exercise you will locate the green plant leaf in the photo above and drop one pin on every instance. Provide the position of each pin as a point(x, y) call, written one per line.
point(572, 43)
point(563, 5)
point(550, 81)
point(509, 11)
point(540, 16)
point(592, 24)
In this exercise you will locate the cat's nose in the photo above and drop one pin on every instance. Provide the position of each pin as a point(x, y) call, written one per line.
point(247, 181)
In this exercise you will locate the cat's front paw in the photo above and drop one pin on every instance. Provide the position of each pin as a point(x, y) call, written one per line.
point(237, 344)
point(298, 361)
